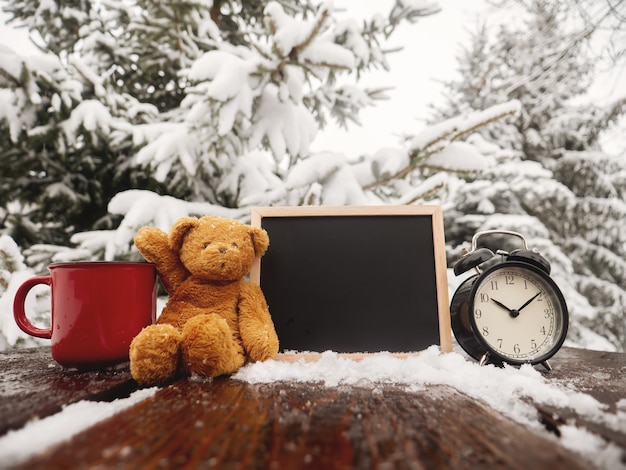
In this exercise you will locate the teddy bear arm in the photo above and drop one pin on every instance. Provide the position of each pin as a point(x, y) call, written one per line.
point(256, 327)
point(153, 244)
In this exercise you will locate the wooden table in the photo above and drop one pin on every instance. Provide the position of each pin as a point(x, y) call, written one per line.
point(225, 423)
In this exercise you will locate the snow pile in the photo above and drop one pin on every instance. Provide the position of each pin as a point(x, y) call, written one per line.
point(17, 446)
point(508, 390)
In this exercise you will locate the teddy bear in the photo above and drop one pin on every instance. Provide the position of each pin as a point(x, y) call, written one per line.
point(214, 320)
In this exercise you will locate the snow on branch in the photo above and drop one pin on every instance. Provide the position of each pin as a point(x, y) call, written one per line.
point(91, 115)
point(425, 146)
point(251, 179)
point(175, 143)
point(438, 136)
point(288, 127)
point(140, 207)
point(427, 187)
point(89, 75)
point(411, 10)
point(223, 77)
point(294, 38)
point(11, 261)
point(13, 272)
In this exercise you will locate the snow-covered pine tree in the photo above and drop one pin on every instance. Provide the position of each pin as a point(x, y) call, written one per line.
point(605, 18)
point(13, 272)
point(553, 183)
point(200, 101)
point(63, 151)
point(142, 112)
point(544, 67)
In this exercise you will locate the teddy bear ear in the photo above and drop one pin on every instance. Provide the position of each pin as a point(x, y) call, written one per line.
point(260, 240)
point(179, 230)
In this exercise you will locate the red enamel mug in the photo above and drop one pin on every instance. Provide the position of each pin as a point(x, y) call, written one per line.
point(97, 310)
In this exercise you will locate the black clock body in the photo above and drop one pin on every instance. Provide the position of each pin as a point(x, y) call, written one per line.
point(513, 312)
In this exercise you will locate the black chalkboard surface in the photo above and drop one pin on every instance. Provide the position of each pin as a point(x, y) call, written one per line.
point(355, 278)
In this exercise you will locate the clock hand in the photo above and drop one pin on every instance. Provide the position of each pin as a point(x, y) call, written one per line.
point(500, 304)
point(514, 313)
point(529, 301)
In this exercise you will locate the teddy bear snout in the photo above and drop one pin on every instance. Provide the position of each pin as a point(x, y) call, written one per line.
point(213, 247)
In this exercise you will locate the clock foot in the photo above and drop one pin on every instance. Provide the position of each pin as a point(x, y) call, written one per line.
point(484, 359)
point(547, 365)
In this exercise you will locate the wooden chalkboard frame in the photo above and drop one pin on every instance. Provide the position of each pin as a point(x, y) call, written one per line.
point(435, 227)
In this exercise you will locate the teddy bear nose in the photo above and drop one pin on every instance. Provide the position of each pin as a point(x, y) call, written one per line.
point(222, 249)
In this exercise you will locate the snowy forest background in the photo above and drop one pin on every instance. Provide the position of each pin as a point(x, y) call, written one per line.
point(139, 112)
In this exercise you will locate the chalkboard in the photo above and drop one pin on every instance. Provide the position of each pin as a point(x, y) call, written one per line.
point(355, 278)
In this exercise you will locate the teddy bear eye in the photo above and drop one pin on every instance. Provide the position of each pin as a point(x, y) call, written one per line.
point(206, 244)
point(234, 245)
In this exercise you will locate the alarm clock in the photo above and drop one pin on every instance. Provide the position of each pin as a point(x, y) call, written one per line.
point(512, 311)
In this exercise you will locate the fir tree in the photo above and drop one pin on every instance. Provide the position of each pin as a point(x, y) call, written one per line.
point(170, 97)
point(552, 181)
point(148, 112)
point(13, 272)
point(141, 112)
point(544, 67)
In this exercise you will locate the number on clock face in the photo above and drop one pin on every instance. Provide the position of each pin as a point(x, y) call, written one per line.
point(517, 313)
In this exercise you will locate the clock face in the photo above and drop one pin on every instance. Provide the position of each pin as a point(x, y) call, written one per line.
point(518, 313)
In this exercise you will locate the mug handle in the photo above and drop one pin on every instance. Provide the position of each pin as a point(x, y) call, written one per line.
point(18, 308)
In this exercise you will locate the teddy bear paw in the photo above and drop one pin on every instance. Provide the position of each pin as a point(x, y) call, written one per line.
point(208, 347)
point(155, 354)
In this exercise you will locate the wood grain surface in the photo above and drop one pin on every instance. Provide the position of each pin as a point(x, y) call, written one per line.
point(225, 423)
point(230, 424)
point(33, 385)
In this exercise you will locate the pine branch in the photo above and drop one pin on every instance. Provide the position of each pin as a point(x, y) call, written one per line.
point(577, 40)
point(215, 11)
point(9, 77)
point(314, 32)
point(297, 49)
point(7, 262)
point(472, 129)
point(423, 195)
point(439, 142)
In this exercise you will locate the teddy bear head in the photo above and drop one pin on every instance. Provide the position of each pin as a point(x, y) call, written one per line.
point(216, 248)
